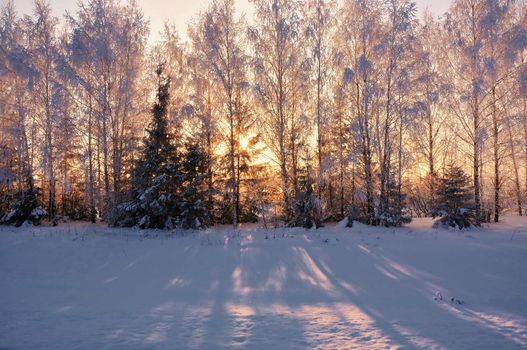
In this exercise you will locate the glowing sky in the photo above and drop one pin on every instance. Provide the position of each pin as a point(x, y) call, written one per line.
point(181, 11)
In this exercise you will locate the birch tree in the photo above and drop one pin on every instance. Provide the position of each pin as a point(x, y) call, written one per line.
point(221, 46)
point(280, 76)
point(430, 91)
point(41, 35)
point(465, 29)
point(107, 51)
point(321, 18)
point(361, 30)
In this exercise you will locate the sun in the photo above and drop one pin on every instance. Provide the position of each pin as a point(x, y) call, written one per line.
point(244, 142)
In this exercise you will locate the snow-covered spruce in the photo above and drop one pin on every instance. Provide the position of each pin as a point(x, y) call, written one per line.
point(454, 205)
point(167, 190)
point(27, 207)
point(307, 207)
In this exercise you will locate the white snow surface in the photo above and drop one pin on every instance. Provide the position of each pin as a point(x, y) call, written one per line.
point(83, 286)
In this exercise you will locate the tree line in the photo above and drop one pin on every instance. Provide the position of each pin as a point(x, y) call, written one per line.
point(311, 111)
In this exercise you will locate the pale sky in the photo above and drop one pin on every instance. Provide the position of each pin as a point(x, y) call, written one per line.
point(180, 12)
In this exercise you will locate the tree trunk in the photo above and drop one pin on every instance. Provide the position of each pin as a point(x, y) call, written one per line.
point(210, 175)
point(105, 116)
point(524, 110)
point(476, 154)
point(400, 167)
point(52, 205)
point(431, 149)
point(319, 120)
point(516, 171)
point(386, 146)
point(497, 179)
point(91, 194)
point(362, 112)
point(341, 161)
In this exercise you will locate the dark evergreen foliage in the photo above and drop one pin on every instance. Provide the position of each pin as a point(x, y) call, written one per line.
point(194, 212)
point(307, 209)
point(395, 213)
point(26, 208)
point(454, 204)
point(74, 206)
point(8, 165)
point(169, 181)
point(238, 195)
point(156, 175)
point(6, 191)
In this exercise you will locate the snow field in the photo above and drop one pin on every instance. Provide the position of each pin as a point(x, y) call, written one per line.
point(82, 286)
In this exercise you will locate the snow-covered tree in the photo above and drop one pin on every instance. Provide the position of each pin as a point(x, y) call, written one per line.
point(360, 34)
point(321, 19)
point(106, 55)
point(200, 111)
point(27, 207)
point(281, 75)
point(340, 144)
point(465, 27)
point(18, 125)
point(430, 88)
point(454, 202)
point(396, 213)
point(381, 101)
point(40, 31)
point(7, 176)
point(396, 50)
point(218, 43)
point(193, 197)
point(307, 210)
point(157, 176)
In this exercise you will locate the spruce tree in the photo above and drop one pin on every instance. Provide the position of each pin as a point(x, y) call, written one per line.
point(395, 213)
point(26, 208)
point(7, 178)
point(194, 194)
point(156, 176)
point(307, 208)
point(454, 205)
point(240, 201)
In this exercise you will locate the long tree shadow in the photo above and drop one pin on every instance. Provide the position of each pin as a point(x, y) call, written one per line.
point(407, 285)
point(302, 295)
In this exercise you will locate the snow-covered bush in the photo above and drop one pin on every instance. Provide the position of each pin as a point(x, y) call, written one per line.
point(26, 208)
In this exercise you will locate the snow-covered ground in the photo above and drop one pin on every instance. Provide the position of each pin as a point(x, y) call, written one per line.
point(82, 286)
